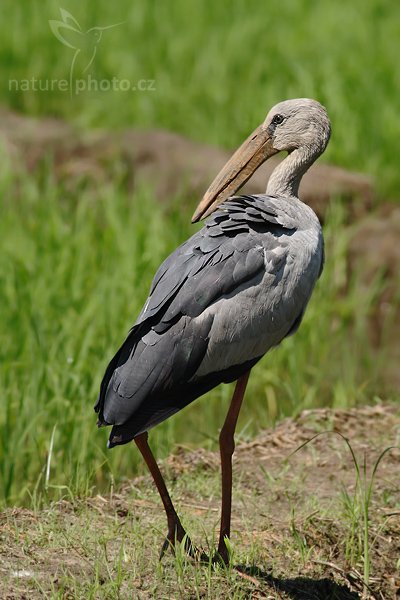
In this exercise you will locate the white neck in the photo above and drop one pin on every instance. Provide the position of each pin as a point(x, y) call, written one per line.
point(285, 178)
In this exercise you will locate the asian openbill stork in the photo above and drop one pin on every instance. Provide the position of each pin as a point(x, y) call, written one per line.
point(221, 300)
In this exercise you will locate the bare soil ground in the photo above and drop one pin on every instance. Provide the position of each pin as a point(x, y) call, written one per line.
point(297, 523)
point(170, 163)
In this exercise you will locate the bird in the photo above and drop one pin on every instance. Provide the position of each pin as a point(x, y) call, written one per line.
point(224, 298)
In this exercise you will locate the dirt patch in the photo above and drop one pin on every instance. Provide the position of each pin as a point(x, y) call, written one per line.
point(297, 522)
point(374, 254)
point(170, 163)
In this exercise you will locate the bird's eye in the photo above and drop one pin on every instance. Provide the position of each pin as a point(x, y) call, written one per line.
point(278, 119)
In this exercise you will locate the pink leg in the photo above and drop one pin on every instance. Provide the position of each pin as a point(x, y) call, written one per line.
point(227, 447)
point(176, 531)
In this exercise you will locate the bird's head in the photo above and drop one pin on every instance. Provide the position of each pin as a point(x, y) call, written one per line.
point(289, 125)
point(293, 124)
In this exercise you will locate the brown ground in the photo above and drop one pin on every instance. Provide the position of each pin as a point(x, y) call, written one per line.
point(293, 530)
point(170, 163)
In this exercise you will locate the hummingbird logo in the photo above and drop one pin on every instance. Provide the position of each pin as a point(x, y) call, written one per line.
point(70, 33)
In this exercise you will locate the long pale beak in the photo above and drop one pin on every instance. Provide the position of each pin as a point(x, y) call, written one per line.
point(251, 154)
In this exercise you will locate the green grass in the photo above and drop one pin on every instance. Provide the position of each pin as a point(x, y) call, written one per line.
point(292, 530)
point(73, 277)
point(219, 66)
point(356, 508)
point(75, 270)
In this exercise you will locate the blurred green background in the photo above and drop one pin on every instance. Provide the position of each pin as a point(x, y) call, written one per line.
point(219, 66)
point(75, 270)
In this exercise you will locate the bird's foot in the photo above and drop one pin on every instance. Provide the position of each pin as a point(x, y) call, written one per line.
point(176, 533)
point(220, 559)
point(221, 556)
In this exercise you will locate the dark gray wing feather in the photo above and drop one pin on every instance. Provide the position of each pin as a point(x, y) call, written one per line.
point(166, 344)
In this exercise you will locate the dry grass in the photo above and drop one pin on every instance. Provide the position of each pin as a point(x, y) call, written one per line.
point(294, 536)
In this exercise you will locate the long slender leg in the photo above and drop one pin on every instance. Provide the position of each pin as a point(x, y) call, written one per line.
point(227, 447)
point(176, 531)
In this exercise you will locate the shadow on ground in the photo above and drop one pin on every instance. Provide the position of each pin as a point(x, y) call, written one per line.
point(302, 588)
